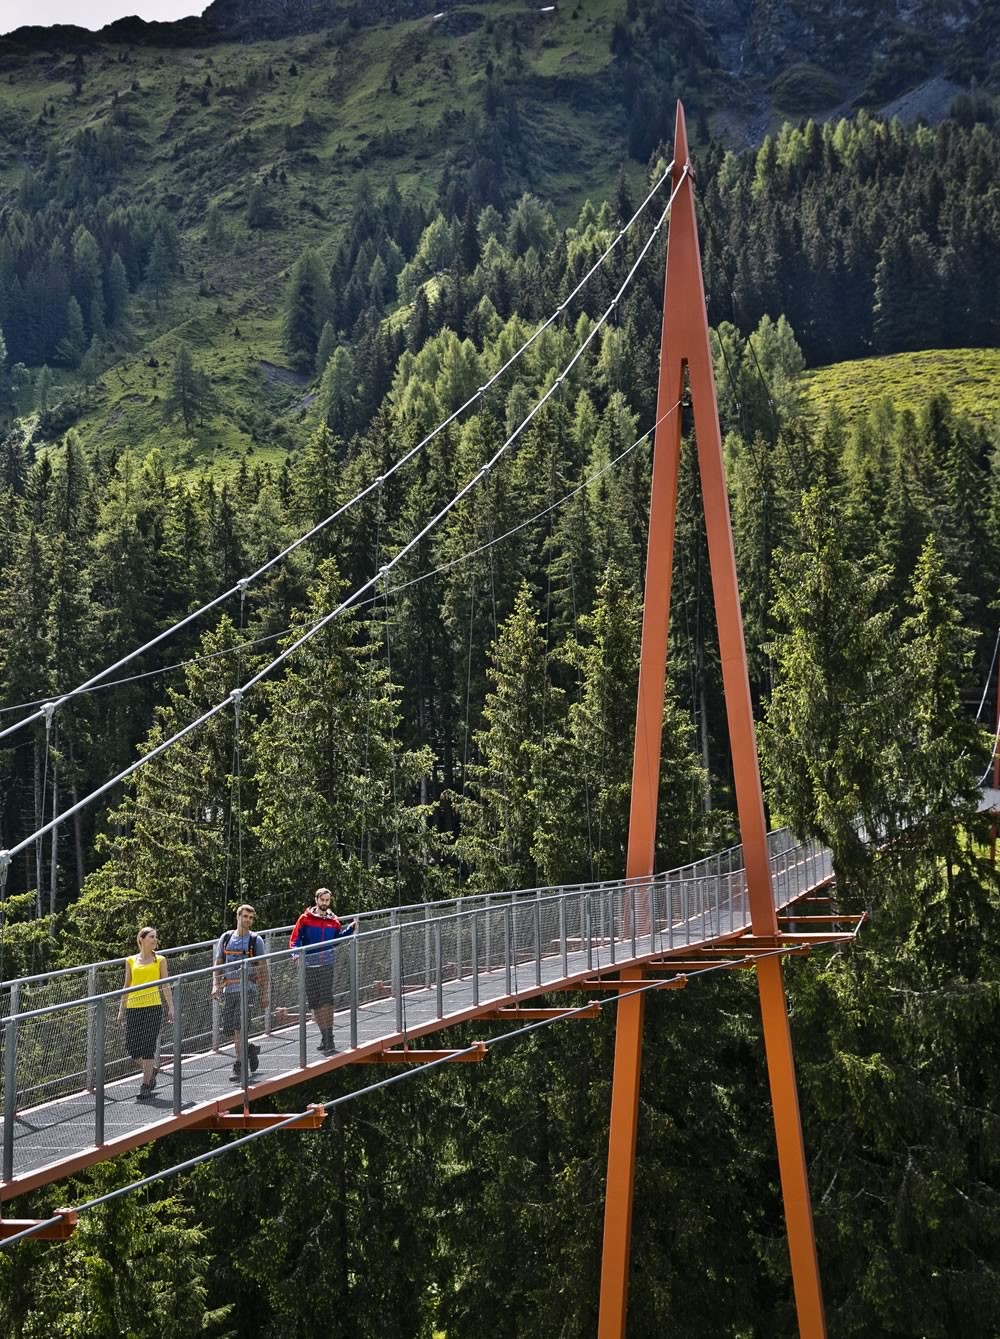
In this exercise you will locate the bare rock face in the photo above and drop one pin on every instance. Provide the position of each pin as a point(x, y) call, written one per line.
point(762, 36)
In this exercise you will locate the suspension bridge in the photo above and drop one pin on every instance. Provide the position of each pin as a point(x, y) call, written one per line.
point(68, 1092)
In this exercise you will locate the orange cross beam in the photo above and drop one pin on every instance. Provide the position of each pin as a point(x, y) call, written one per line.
point(311, 1119)
point(422, 1056)
point(63, 1227)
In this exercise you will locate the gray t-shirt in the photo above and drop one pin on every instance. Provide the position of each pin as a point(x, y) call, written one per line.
point(229, 951)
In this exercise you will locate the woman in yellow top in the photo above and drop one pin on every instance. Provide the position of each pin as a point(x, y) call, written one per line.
point(141, 1008)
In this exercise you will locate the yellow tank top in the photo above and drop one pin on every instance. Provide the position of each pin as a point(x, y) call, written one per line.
point(141, 973)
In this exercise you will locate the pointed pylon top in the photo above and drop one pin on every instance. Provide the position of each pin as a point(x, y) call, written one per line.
point(681, 156)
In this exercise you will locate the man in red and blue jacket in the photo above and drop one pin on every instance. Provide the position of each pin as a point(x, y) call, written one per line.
point(315, 932)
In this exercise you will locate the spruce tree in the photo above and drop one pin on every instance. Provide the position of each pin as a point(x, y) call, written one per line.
point(189, 393)
point(335, 791)
point(507, 799)
point(306, 310)
point(831, 745)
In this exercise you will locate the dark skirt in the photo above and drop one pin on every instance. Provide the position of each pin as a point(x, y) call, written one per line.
point(142, 1031)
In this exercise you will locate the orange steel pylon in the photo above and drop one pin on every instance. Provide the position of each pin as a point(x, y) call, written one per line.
point(685, 345)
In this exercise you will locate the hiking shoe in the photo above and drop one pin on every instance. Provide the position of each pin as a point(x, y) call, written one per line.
point(329, 1046)
point(236, 1074)
point(144, 1094)
point(254, 1052)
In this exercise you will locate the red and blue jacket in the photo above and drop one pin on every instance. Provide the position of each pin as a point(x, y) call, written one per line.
point(315, 931)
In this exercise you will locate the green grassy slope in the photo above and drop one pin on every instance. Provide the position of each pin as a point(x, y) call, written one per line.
point(190, 156)
point(969, 377)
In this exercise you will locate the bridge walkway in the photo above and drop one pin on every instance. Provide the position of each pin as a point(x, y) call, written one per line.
point(69, 1093)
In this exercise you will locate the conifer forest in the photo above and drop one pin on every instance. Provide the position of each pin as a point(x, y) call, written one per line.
point(226, 309)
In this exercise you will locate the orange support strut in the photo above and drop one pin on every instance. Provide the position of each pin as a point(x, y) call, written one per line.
point(685, 345)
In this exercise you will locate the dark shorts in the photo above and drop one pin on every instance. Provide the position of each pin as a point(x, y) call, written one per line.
point(142, 1031)
point(319, 986)
point(230, 1019)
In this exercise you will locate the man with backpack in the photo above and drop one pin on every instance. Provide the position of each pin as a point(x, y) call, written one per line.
point(314, 933)
point(227, 983)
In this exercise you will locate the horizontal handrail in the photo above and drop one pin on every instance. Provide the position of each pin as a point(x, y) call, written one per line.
point(555, 889)
point(687, 873)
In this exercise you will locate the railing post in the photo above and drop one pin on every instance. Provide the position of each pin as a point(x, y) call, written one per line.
point(437, 969)
point(178, 994)
point(718, 892)
point(685, 908)
point(509, 954)
point(100, 1030)
point(562, 937)
point(397, 969)
point(91, 1015)
point(651, 899)
point(489, 934)
point(458, 943)
point(268, 950)
point(610, 900)
point(352, 963)
point(9, 1097)
point(588, 925)
point(303, 1014)
point(538, 938)
point(244, 1028)
point(427, 949)
point(631, 901)
point(475, 956)
point(394, 957)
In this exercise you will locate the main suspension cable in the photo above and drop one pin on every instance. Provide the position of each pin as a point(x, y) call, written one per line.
point(352, 599)
point(241, 585)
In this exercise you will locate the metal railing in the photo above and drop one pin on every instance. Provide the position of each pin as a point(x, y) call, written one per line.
point(64, 1059)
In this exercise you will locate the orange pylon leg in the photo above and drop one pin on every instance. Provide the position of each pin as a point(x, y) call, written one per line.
point(621, 1162)
point(685, 345)
point(791, 1150)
